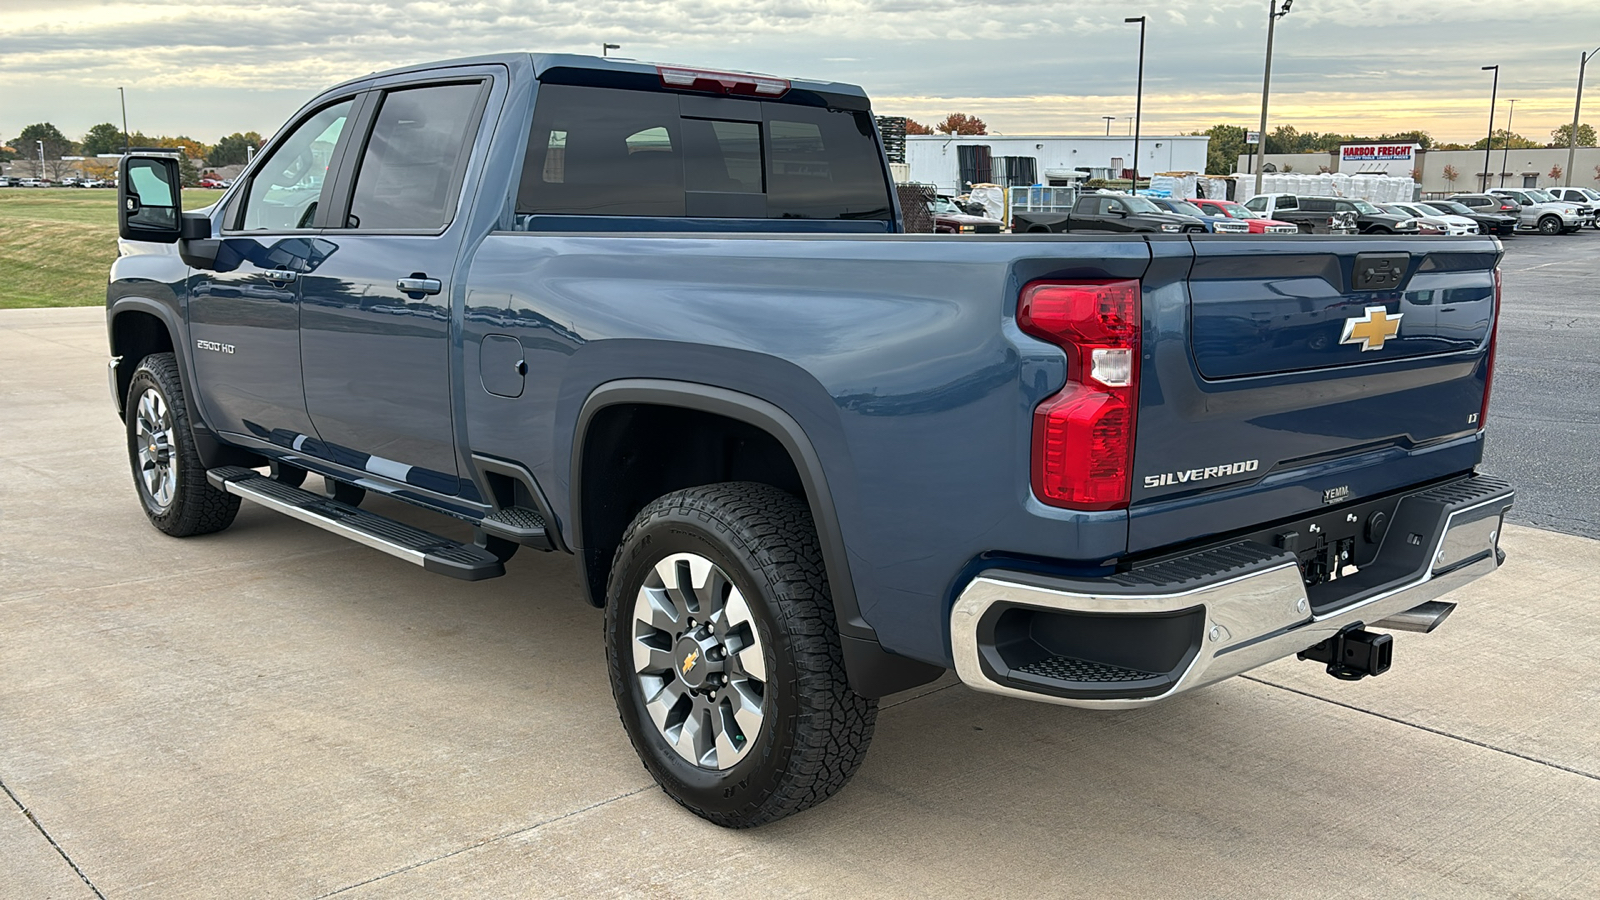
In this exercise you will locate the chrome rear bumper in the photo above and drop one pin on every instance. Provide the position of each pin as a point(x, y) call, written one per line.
point(1252, 598)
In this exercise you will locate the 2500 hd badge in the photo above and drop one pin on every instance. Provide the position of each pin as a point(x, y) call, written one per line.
point(1184, 477)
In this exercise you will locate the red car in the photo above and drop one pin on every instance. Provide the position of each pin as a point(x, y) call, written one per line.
point(1259, 224)
point(211, 183)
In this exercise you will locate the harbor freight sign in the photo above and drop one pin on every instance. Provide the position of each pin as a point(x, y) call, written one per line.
point(1378, 159)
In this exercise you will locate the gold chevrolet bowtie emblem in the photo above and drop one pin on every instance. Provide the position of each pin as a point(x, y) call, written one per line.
point(1371, 328)
point(688, 661)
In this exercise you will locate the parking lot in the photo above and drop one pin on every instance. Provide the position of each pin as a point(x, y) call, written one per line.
point(274, 712)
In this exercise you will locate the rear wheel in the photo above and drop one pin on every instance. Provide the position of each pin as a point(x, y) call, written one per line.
point(167, 471)
point(724, 655)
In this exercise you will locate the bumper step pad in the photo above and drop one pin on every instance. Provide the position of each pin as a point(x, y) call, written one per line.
point(433, 552)
point(1082, 671)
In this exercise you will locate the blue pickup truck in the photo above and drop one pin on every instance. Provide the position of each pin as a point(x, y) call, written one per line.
point(666, 320)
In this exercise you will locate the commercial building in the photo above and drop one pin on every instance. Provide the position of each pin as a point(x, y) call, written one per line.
point(953, 163)
point(1452, 171)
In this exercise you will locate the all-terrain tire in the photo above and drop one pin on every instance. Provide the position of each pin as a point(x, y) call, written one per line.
point(814, 729)
point(161, 450)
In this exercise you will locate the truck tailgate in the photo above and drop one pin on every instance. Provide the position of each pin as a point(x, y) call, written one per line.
point(1280, 381)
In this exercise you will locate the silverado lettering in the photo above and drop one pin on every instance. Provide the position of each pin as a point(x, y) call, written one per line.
point(1188, 475)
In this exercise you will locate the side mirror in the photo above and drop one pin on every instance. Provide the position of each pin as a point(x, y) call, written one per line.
point(149, 199)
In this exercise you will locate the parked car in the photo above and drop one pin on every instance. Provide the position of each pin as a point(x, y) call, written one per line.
point(949, 218)
point(1335, 215)
point(1489, 222)
point(1257, 223)
point(6, 181)
point(1440, 221)
point(1215, 223)
point(34, 182)
point(1584, 197)
point(784, 447)
point(93, 183)
point(1107, 213)
point(1543, 212)
point(212, 184)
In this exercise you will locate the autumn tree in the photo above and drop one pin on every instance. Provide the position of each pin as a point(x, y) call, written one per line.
point(234, 150)
point(1504, 139)
point(102, 138)
point(1451, 173)
point(1555, 174)
point(1586, 136)
point(961, 123)
point(1224, 148)
point(915, 127)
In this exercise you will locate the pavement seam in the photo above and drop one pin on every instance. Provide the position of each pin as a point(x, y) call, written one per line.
point(888, 706)
point(483, 843)
point(38, 826)
point(1438, 731)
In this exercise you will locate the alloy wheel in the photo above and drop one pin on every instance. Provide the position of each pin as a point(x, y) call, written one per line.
point(158, 458)
point(698, 661)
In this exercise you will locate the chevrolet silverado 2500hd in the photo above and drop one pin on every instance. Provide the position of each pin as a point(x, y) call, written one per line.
point(665, 320)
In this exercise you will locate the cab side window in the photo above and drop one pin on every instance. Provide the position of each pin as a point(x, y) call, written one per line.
point(411, 168)
point(286, 187)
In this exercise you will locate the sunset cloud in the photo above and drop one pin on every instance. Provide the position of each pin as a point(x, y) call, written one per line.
point(1341, 65)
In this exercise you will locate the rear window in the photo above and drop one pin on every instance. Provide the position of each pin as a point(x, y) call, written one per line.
point(604, 151)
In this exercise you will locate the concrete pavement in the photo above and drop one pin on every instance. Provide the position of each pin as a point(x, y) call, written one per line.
point(274, 712)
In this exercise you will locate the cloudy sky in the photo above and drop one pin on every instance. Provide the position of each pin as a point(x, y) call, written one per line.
point(1364, 66)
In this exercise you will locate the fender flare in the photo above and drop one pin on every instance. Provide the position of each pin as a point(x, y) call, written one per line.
point(873, 671)
point(212, 451)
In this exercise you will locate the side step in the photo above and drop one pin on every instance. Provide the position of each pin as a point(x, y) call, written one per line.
point(440, 555)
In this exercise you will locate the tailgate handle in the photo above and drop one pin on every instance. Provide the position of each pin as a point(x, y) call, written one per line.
point(1379, 271)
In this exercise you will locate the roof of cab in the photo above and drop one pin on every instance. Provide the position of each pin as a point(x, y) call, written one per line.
point(544, 62)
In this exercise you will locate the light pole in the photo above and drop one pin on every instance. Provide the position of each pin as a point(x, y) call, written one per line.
point(1109, 120)
point(1490, 142)
point(1505, 151)
point(41, 158)
point(1138, 102)
point(125, 138)
point(1572, 136)
point(607, 47)
point(1273, 15)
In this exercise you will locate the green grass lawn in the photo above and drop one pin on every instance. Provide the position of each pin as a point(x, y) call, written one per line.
point(57, 244)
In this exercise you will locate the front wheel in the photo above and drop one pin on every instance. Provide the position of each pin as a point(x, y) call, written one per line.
point(724, 655)
point(167, 471)
point(1550, 225)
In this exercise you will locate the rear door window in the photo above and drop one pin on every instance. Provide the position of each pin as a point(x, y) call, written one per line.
point(605, 151)
point(411, 168)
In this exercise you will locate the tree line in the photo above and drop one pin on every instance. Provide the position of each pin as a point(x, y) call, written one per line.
point(1227, 142)
point(232, 150)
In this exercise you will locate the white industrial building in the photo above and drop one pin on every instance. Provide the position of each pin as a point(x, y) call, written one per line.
point(954, 162)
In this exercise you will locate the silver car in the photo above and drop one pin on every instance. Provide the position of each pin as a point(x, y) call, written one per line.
point(1543, 212)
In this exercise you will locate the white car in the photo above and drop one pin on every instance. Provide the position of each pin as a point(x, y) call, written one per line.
point(1542, 211)
point(1451, 223)
point(1580, 195)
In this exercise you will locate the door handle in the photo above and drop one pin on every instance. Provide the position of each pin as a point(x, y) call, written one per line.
point(416, 285)
point(283, 275)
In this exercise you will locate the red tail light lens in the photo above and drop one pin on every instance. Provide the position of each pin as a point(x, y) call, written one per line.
point(1494, 335)
point(1083, 434)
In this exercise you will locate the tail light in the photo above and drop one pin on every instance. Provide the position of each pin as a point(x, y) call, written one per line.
point(723, 82)
point(1083, 434)
point(1494, 335)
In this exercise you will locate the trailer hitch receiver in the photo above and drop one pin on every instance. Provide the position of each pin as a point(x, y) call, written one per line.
point(1353, 654)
